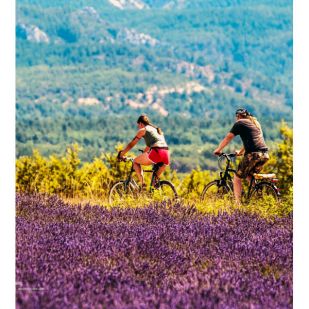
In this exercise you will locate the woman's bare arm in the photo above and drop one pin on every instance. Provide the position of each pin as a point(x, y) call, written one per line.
point(140, 133)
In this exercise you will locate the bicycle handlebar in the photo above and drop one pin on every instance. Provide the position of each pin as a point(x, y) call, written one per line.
point(125, 159)
point(225, 159)
point(228, 155)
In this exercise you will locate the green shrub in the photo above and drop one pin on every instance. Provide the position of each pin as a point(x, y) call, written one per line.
point(281, 160)
point(68, 177)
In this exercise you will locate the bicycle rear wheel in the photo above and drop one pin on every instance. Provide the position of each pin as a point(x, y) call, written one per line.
point(164, 191)
point(214, 191)
point(121, 191)
point(265, 193)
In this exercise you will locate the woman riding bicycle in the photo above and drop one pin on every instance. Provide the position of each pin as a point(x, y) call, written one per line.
point(254, 149)
point(156, 150)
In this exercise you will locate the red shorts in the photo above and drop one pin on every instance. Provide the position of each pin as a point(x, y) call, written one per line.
point(157, 155)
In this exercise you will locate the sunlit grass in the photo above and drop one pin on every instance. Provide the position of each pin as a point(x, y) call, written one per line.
point(266, 208)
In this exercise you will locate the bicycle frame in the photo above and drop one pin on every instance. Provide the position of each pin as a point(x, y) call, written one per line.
point(225, 177)
point(130, 179)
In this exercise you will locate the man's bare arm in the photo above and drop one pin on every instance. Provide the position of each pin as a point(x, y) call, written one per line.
point(224, 142)
point(240, 152)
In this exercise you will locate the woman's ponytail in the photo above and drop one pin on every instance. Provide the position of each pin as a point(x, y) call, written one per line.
point(158, 129)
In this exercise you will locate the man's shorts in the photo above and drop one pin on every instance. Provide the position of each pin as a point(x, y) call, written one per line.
point(252, 163)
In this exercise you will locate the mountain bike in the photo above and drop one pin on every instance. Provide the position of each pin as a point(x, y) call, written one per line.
point(261, 187)
point(128, 189)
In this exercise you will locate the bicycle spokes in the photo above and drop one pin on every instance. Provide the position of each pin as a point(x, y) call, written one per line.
point(121, 192)
point(163, 191)
point(214, 191)
point(265, 194)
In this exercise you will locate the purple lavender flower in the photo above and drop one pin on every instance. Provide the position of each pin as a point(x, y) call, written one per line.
point(155, 257)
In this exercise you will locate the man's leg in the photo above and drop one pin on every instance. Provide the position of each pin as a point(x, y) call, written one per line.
point(237, 186)
point(243, 172)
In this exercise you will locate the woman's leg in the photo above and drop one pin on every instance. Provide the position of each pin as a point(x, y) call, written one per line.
point(160, 155)
point(142, 159)
point(161, 170)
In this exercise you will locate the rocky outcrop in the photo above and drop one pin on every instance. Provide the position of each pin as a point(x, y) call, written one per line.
point(193, 70)
point(179, 4)
point(88, 101)
point(128, 4)
point(136, 38)
point(87, 13)
point(31, 33)
point(154, 96)
point(138, 4)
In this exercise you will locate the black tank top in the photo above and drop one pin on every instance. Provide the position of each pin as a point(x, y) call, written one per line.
point(250, 134)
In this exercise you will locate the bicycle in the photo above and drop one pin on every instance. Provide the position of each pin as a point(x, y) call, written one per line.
point(261, 187)
point(128, 189)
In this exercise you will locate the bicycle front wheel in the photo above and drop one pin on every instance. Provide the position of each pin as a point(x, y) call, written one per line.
point(121, 191)
point(165, 191)
point(214, 191)
point(265, 193)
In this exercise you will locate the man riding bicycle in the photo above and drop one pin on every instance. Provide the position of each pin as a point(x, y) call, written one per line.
point(254, 148)
point(156, 150)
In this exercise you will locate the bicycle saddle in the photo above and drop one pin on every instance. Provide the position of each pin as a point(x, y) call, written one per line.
point(156, 166)
point(264, 176)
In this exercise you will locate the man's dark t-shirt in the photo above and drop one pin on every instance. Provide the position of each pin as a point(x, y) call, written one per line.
point(251, 136)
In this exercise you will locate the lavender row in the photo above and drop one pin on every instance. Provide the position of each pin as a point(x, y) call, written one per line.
point(160, 256)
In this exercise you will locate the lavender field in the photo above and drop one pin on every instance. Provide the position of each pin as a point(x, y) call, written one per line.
point(159, 256)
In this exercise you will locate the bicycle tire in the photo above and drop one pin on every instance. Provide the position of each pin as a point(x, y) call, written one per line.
point(264, 191)
point(120, 191)
point(165, 191)
point(214, 191)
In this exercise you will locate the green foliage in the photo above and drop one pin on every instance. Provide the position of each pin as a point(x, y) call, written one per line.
point(245, 46)
point(239, 51)
point(194, 183)
point(69, 178)
point(61, 176)
point(49, 128)
point(281, 161)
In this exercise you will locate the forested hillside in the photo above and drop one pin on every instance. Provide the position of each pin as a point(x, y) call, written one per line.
point(87, 69)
